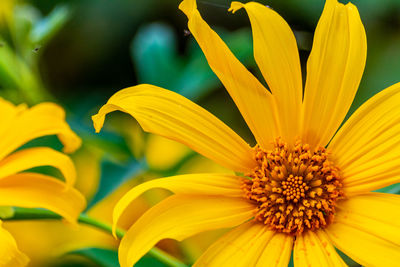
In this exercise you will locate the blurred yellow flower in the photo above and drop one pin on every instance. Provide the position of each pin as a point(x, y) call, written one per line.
point(23, 188)
point(9, 253)
point(48, 240)
point(6, 9)
point(306, 185)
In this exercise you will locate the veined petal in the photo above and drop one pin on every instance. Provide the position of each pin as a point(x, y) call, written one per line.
point(254, 101)
point(367, 147)
point(40, 120)
point(192, 184)
point(33, 190)
point(251, 244)
point(10, 255)
point(367, 228)
point(277, 56)
point(315, 249)
point(171, 115)
point(179, 217)
point(277, 252)
point(334, 71)
point(39, 156)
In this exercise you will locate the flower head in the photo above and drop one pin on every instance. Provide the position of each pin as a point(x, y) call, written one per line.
point(306, 185)
point(21, 187)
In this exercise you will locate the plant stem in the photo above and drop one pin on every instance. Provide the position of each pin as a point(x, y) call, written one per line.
point(41, 214)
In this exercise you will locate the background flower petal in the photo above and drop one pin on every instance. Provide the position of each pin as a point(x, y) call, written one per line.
point(8, 112)
point(334, 71)
point(33, 190)
point(10, 255)
point(40, 120)
point(35, 157)
point(367, 228)
point(179, 217)
point(169, 114)
point(254, 101)
point(367, 147)
point(277, 56)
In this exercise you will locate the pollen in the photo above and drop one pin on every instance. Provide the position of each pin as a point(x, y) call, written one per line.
point(294, 189)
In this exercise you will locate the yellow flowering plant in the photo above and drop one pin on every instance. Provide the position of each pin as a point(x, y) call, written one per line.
point(306, 186)
point(20, 186)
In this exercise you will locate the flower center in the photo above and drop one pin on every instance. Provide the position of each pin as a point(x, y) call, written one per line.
point(294, 189)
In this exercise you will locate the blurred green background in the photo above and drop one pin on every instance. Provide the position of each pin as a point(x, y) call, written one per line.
point(79, 52)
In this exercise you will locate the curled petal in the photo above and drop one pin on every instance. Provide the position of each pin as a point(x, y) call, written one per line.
point(40, 120)
point(33, 190)
point(193, 184)
point(179, 217)
point(35, 157)
point(169, 114)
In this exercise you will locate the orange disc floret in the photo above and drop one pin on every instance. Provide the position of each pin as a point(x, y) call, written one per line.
point(294, 189)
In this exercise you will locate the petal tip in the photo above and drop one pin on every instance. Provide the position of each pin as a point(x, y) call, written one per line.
point(188, 6)
point(98, 122)
point(71, 143)
point(235, 6)
point(114, 230)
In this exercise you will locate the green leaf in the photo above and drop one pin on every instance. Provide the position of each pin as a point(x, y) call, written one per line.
point(114, 174)
point(16, 74)
point(102, 257)
point(347, 259)
point(46, 27)
point(109, 258)
point(6, 212)
point(155, 55)
point(109, 141)
point(382, 69)
point(391, 189)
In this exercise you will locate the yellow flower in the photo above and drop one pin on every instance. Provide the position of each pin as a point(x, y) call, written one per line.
point(6, 9)
point(306, 185)
point(23, 188)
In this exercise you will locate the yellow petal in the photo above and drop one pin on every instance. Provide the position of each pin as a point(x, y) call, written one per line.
point(367, 147)
point(253, 100)
point(34, 157)
point(171, 115)
point(192, 184)
point(367, 228)
point(277, 252)
point(179, 217)
point(8, 112)
point(334, 71)
point(10, 255)
point(277, 56)
point(88, 168)
point(40, 120)
point(162, 153)
point(33, 190)
point(315, 249)
point(250, 244)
